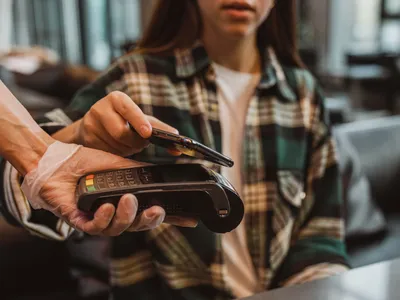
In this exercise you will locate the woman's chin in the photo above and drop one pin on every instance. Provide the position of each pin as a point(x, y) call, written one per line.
point(239, 33)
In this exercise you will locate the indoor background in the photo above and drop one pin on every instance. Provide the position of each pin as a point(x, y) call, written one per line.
point(51, 48)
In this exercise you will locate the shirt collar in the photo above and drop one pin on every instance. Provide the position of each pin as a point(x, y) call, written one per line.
point(193, 60)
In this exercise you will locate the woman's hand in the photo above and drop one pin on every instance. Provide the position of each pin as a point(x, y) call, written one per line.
point(105, 126)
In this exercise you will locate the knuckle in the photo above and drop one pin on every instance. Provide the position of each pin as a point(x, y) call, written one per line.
point(119, 131)
point(89, 139)
point(125, 106)
point(116, 96)
point(88, 121)
point(89, 125)
point(95, 112)
point(122, 223)
point(151, 119)
point(92, 230)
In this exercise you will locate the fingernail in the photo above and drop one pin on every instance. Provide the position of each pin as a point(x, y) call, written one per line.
point(182, 222)
point(130, 205)
point(106, 214)
point(145, 130)
point(151, 223)
point(159, 220)
point(150, 215)
point(154, 220)
point(191, 224)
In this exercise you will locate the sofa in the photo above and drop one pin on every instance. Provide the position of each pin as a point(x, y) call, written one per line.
point(372, 202)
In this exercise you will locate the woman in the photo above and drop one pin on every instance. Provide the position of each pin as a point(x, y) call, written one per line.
point(226, 73)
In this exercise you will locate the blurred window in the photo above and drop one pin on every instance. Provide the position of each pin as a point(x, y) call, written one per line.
point(79, 31)
point(392, 7)
point(366, 24)
point(376, 25)
point(390, 38)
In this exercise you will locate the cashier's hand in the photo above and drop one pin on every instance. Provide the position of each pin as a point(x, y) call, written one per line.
point(58, 194)
point(105, 126)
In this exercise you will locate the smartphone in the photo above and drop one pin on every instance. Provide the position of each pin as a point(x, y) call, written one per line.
point(188, 146)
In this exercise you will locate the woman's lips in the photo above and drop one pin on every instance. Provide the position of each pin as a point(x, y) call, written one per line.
point(238, 10)
point(239, 5)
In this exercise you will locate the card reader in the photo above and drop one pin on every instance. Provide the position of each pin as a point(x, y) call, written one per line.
point(191, 190)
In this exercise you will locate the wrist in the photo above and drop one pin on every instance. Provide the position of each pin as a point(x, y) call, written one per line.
point(25, 149)
point(38, 147)
point(76, 132)
point(69, 134)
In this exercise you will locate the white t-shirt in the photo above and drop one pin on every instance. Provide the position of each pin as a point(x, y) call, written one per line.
point(235, 90)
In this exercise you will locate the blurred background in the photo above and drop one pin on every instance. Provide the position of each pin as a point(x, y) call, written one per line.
point(51, 48)
point(352, 46)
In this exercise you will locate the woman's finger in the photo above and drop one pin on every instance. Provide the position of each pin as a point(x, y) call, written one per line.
point(120, 137)
point(156, 123)
point(130, 112)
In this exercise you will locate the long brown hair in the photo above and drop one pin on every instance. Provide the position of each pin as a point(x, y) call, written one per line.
point(177, 24)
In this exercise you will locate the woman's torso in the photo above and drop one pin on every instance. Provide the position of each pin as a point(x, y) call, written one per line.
point(181, 91)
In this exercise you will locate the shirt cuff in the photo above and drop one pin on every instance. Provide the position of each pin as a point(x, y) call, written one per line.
point(38, 222)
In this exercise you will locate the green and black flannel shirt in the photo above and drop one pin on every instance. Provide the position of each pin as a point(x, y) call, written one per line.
point(292, 194)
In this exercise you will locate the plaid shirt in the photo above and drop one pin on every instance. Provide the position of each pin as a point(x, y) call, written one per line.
point(292, 193)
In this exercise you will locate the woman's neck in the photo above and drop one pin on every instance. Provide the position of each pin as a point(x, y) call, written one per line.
point(241, 55)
